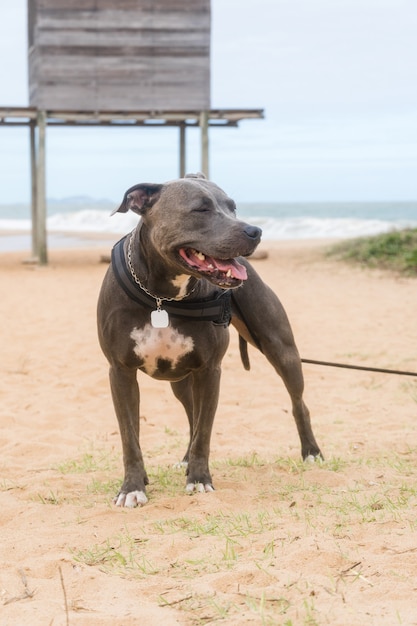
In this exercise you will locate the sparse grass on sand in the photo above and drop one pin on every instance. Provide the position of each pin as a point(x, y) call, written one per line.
point(293, 503)
point(395, 250)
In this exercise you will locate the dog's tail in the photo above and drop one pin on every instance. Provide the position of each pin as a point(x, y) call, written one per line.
point(243, 349)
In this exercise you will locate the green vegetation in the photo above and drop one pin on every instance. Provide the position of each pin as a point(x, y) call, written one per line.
point(92, 461)
point(310, 511)
point(396, 251)
point(241, 555)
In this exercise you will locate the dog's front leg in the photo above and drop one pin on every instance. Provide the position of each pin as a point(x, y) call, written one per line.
point(125, 393)
point(206, 385)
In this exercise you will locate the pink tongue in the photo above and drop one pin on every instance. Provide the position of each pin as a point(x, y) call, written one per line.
point(238, 270)
point(209, 263)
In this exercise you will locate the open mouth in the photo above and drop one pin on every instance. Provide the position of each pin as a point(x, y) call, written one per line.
point(226, 273)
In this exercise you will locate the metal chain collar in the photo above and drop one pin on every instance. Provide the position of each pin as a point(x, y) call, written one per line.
point(136, 278)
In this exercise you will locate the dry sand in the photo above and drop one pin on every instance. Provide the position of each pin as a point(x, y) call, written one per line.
point(277, 542)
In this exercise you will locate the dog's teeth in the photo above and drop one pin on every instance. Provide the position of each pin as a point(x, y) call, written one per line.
point(200, 256)
point(210, 266)
point(229, 273)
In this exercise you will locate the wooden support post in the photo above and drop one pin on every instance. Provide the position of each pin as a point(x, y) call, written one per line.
point(182, 150)
point(34, 209)
point(41, 253)
point(204, 117)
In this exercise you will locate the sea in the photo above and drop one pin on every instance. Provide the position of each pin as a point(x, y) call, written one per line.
point(85, 222)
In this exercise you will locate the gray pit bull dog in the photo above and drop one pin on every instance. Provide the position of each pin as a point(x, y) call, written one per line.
point(174, 285)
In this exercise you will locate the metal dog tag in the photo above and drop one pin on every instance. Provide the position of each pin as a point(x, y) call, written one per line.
point(159, 318)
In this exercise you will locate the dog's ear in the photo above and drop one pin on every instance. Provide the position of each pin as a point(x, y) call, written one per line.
point(197, 175)
point(139, 198)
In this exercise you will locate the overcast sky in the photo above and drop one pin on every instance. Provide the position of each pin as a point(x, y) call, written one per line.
point(337, 80)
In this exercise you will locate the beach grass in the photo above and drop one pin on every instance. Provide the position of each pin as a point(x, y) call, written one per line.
point(395, 251)
point(301, 505)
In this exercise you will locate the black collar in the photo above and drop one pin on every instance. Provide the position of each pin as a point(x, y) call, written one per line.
point(217, 310)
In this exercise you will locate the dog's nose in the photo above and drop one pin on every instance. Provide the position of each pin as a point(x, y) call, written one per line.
point(253, 232)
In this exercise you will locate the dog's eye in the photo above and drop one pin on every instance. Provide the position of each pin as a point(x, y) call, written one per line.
point(202, 209)
point(231, 206)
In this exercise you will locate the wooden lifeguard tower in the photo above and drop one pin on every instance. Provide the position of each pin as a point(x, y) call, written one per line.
point(119, 55)
point(114, 63)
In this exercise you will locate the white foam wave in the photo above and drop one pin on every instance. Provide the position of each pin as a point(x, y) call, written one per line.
point(98, 221)
point(318, 228)
point(19, 225)
point(92, 221)
point(85, 221)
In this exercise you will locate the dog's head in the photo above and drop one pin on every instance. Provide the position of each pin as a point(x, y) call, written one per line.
point(192, 224)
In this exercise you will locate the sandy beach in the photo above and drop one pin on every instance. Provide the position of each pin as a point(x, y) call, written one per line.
point(278, 542)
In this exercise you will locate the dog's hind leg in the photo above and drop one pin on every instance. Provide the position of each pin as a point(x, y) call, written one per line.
point(183, 391)
point(284, 357)
point(199, 394)
point(260, 319)
point(206, 386)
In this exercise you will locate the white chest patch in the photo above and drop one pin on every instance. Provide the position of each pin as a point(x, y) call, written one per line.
point(152, 344)
point(181, 283)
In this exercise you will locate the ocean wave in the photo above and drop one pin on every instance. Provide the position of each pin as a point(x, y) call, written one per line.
point(320, 228)
point(85, 221)
point(94, 221)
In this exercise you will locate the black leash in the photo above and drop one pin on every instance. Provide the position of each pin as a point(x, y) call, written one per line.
point(245, 358)
point(380, 370)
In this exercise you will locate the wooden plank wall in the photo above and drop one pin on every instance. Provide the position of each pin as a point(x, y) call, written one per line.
point(125, 55)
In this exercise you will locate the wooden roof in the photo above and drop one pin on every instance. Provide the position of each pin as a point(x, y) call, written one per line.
point(22, 116)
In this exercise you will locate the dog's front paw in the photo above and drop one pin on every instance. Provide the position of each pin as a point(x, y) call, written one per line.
point(314, 458)
point(131, 499)
point(198, 488)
